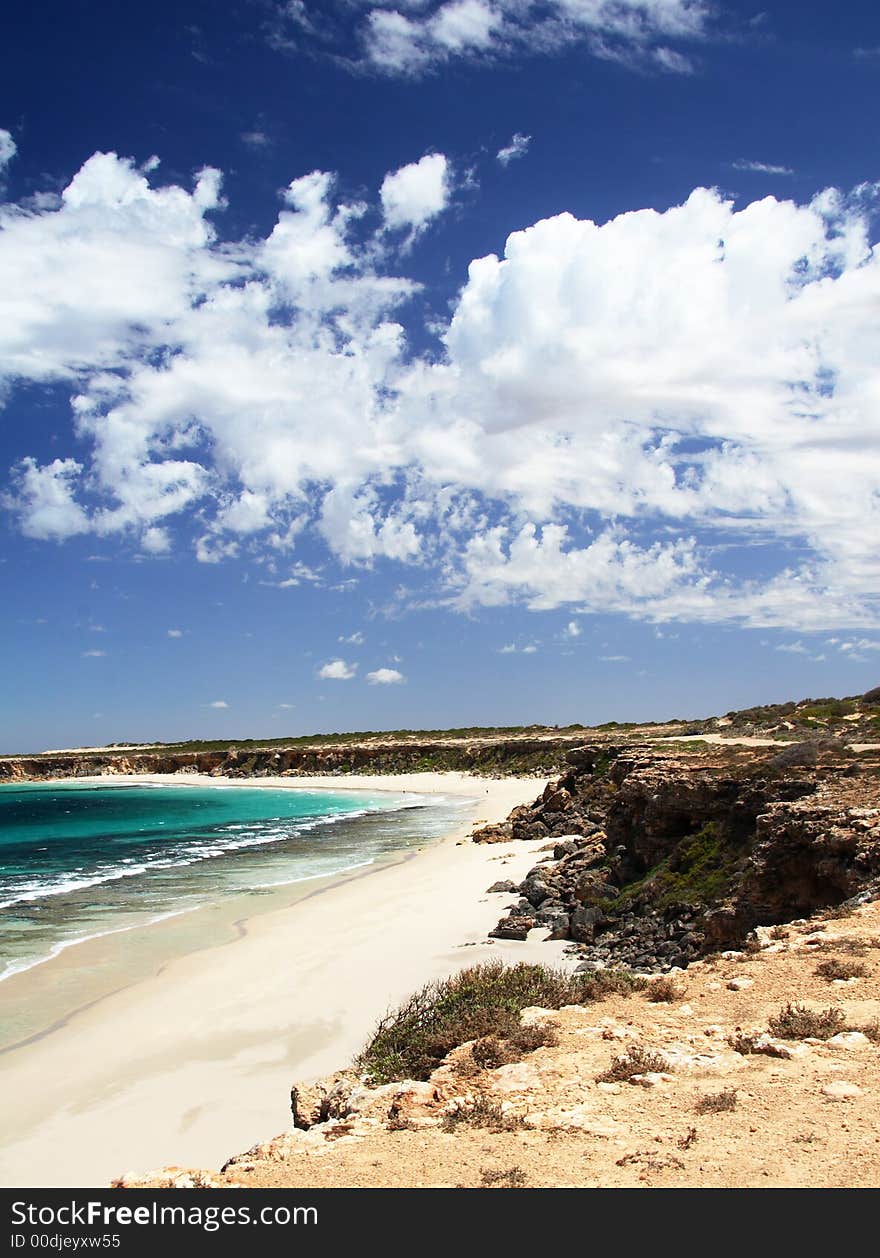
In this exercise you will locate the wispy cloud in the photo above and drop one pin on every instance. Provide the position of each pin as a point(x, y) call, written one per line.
point(762, 168)
point(93, 655)
point(256, 139)
point(218, 703)
point(518, 147)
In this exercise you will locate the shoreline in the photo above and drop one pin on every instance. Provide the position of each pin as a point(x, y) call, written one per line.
point(214, 1040)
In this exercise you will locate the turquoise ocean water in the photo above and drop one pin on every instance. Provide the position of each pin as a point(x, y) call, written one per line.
point(81, 861)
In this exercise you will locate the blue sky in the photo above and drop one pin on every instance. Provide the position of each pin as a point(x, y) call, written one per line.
point(367, 365)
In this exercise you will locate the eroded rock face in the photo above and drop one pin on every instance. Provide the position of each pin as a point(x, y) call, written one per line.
point(659, 857)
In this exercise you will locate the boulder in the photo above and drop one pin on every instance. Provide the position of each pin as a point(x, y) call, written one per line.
point(583, 923)
point(513, 928)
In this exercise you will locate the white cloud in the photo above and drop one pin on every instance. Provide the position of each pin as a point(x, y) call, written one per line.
point(385, 677)
point(218, 703)
point(256, 139)
point(337, 670)
point(572, 630)
point(175, 633)
point(45, 498)
point(614, 659)
point(93, 655)
point(433, 32)
point(513, 649)
point(7, 149)
point(413, 195)
point(509, 649)
point(793, 648)
point(762, 168)
point(705, 377)
point(286, 707)
point(518, 147)
point(353, 639)
point(156, 541)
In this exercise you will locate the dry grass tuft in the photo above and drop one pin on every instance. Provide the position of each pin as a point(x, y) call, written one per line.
point(717, 1102)
point(637, 1060)
point(797, 1022)
point(838, 968)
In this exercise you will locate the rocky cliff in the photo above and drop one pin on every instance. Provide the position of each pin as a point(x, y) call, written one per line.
point(659, 857)
point(489, 756)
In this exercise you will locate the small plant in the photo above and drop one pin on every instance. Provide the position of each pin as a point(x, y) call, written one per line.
point(397, 1121)
point(611, 982)
point(512, 1178)
point(481, 1113)
point(797, 1022)
point(742, 1043)
point(491, 1052)
point(664, 991)
point(685, 1141)
point(636, 1061)
point(837, 968)
point(872, 1030)
point(717, 1102)
point(778, 932)
point(840, 910)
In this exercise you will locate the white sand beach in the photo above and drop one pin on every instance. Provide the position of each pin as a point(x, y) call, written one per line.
point(195, 1062)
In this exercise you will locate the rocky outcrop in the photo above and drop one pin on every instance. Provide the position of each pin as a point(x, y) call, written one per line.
point(659, 858)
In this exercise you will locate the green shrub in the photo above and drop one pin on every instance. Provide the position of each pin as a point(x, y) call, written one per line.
point(481, 1002)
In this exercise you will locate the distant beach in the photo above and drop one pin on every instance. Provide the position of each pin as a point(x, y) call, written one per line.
point(180, 1041)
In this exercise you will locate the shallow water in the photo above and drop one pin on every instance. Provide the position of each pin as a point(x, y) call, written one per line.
point(81, 861)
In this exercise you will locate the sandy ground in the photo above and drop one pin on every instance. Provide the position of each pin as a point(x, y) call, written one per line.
point(792, 1113)
point(749, 741)
point(196, 1062)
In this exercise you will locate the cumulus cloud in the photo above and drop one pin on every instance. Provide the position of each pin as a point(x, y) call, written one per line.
point(175, 633)
point(218, 703)
point(156, 541)
point(611, 407)
point(572, 630)
point(353, 639)
point(337, 670)
point(45, 498)
point(518, 147)
point(385, 677)
point(415, 194)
